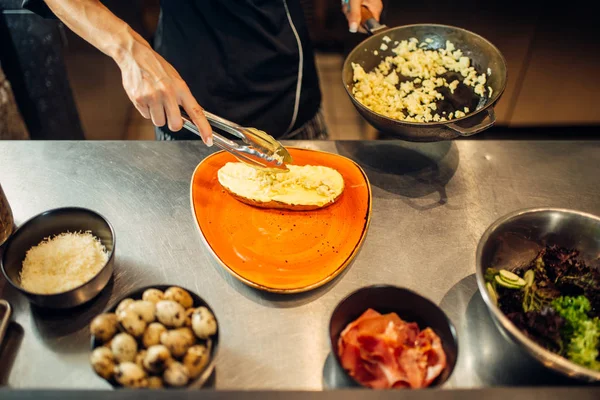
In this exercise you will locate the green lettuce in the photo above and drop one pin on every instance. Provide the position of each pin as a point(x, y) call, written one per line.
point(580, 332)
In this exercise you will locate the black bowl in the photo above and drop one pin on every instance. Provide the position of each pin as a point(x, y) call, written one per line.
point(409, 306)
point(198, 302)
point(54, 222)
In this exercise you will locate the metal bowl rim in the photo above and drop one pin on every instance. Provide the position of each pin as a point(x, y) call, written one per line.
point(48, 213)
point(447, 319)
point(383, 32)
point(548, 358)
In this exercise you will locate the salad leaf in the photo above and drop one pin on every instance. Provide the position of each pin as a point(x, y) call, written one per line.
point(557, 261)
point(580, 332)
point(490, 274)
point(559, 306)
point(573, 309)
point(559, 268)
point(534, 298)
point(544, 327)
point(510, 300)
point(583, 347)
point(581, 280)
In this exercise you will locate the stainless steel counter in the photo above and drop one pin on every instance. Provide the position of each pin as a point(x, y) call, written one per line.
point(431, 204)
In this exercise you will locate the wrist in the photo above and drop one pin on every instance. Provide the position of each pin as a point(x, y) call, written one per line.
point(120, 45)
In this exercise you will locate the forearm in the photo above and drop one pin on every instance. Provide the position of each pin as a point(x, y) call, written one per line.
point(97, 25)
point(152, 84)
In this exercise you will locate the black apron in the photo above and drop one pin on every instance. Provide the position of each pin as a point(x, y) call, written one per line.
point(249, 61)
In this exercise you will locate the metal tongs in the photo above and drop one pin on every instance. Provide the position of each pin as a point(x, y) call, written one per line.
point(5, 311)
point(258, 149)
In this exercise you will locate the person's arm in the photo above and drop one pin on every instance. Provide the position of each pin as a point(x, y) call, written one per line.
point(152, 84)
point(352, 10)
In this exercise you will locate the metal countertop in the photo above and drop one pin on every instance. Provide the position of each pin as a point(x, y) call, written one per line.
point(529, 393)
point(431, 203)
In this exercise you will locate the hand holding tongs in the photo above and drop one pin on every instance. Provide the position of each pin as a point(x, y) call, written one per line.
point(259, 149)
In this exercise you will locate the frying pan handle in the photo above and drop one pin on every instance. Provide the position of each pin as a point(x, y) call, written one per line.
point(487, 122)
point(368, 21)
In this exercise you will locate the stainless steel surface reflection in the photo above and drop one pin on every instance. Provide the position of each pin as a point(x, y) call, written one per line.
point(514, 240)
point(6, 218)
point(431, 204)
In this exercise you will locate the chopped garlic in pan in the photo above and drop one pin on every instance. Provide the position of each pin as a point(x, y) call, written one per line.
point(385, 92)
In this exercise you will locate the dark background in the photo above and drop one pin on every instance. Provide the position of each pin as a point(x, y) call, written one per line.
point(65, 89)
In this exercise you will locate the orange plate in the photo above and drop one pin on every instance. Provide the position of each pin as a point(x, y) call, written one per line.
point(278, 250)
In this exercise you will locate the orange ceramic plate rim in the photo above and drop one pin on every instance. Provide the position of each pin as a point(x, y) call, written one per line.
point(307, 288)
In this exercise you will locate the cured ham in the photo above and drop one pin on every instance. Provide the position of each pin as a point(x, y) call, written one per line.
point(381, 351)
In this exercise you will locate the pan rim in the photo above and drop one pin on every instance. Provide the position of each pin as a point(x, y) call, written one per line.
point(385, 30)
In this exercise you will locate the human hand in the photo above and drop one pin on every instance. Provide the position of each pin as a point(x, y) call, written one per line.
point(351, 8)
point(157, 90)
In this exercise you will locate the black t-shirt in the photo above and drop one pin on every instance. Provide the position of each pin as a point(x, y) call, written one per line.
point(249, 61)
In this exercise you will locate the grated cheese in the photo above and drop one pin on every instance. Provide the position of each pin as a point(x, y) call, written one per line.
point(62, 263)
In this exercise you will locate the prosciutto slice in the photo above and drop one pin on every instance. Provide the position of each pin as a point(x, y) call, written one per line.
point(382, 351)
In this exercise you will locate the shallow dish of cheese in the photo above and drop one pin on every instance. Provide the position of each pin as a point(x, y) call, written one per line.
point(306, 187)
point(61, 258)
point(282, 232)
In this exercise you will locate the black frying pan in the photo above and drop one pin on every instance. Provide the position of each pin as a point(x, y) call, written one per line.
point(482, 53)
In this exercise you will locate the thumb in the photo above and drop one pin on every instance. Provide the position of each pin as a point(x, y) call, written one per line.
point(354, 15)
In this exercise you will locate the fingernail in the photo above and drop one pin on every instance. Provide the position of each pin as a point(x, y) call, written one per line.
point(209, 141)
point(353, 27)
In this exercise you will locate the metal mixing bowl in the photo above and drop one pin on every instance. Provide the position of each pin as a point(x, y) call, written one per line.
point(513, 241)
point(48, 224)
